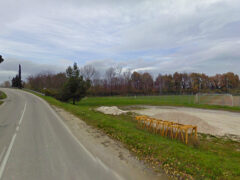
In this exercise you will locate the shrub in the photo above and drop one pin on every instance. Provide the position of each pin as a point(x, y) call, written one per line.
point(51, 92)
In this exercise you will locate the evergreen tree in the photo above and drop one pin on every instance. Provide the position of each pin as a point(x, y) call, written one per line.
point(17, 81)
point(76, 87)
point(1, 59)
point(20, 77)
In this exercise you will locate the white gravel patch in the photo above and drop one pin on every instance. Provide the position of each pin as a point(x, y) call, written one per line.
point(113, 110)
point(212, 122)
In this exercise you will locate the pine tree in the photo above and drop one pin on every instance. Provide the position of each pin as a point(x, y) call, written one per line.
point(75, 87)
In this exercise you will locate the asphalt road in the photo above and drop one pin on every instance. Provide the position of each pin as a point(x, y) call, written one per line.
point(35, 144)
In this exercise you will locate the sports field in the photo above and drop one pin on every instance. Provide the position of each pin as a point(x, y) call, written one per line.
point(166, 100)
point(134, 100)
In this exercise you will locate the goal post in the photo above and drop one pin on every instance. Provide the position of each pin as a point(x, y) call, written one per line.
point(214, 99)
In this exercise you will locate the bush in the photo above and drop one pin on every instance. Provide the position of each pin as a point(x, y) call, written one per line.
point(51, 92)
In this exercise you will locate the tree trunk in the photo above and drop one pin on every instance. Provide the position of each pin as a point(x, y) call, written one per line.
point(74, 100)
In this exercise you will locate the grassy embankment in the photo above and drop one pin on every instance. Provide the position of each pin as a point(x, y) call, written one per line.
point(212, 158)
point(2, 96)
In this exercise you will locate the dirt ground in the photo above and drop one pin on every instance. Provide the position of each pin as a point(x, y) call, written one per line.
point(212, 122)
point(111, 152)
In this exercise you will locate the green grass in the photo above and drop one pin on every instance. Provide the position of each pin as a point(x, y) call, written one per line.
point(211, 158)
point(2, 96)
point(131, 100)
point(168, 100)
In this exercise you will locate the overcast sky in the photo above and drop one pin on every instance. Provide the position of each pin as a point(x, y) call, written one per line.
point(159, 36)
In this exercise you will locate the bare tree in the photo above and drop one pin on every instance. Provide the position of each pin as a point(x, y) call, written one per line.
point(118, 70)
point(127, 76)
point(110, 74)
point(46, 80)
point(147, 83)
point(6, 84)
point(88, 72)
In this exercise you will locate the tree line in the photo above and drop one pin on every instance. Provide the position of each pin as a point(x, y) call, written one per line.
point(117, 81)
point(63, 86)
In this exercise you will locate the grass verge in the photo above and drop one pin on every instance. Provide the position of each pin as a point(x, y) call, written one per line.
point(212, 158)
point(2, 96)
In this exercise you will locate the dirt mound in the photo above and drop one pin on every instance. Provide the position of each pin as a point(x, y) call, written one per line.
point(113, 110)
point(187, 119)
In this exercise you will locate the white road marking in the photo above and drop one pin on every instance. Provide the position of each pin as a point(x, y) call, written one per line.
point(2, 153)
point(4, 162)
point(22, 114)
point(7, 155)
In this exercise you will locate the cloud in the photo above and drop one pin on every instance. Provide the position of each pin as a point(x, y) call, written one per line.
point(161, 36)
point(9, 68)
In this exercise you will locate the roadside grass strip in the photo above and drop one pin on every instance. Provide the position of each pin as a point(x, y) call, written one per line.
point(2, 95)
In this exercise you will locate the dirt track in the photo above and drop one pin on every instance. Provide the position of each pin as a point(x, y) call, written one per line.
point(208, 121)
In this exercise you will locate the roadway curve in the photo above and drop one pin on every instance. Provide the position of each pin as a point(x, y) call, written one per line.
point(36, 144)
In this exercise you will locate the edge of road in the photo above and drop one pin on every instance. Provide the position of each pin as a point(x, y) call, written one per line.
point(96, 159)
point(4, 156)
point(141, 169)
point(2, 100)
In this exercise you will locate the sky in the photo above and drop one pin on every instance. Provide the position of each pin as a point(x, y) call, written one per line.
point(158, 36)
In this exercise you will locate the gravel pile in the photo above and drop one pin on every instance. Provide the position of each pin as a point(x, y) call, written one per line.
point(113, 110)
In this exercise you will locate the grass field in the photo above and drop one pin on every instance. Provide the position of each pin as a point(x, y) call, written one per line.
point(211, 158)
point(132, 100)
point(169, 100)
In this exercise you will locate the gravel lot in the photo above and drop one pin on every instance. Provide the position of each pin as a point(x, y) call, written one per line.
point(212, 122)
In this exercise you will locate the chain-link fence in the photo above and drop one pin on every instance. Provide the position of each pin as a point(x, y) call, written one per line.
point(217, 99)
point(236, 101)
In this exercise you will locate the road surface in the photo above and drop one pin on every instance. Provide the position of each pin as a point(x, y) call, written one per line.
point(35, 144)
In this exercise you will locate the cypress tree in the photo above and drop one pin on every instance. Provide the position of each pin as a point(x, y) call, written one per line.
point(20, 77)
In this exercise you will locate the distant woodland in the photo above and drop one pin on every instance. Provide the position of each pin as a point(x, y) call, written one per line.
point(115, 81)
